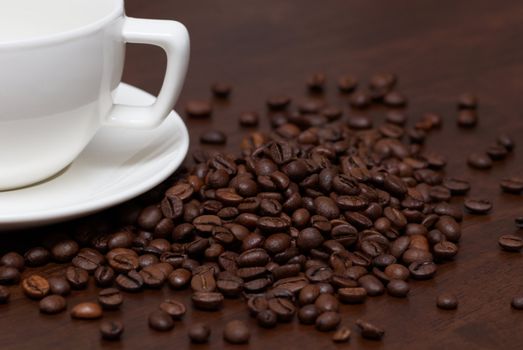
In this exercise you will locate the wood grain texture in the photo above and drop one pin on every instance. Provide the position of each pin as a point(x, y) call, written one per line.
point(439, 50)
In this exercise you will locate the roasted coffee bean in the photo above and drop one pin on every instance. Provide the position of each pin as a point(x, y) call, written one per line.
point(308, 314)
point(467, 101)
point(52, 304)
point(35, 286)
point(309, 238)
point(179, 278)
point(203, 279)
point(496, 152)
point(328, 321)
point(309, 294)
point(422, 269)
point(207, 301)
point(267, 318)
point(372, 285)
point(467, 118)
point(510, 243)
point(86, 311)
point(236, 332)
point(449, 227)
point(104, 276)
point(512, 185)
point(398, 288)
point(221, 89)
point(479, 161)
point(174, 308)
point(59, 285)
point(249, 119)
point(477, 205)
point(447, 301)
point(517, 302)
point(214, 137)
point(198, 109)
point(369, 330)
point(147, 260)
point(120, 239)
point(293, 284)
point(229, 284)
point(77, 277)
point(65, 250)
point(13, 259)
point(5, 294)
point(110, 298)
point(111, 330)
point(353, 295)
point(37, 256)
point(284, 308)
point(160, 320)
point(445, 250)
point(347, 83)
point(199, 333)
point(9, 275)
point(124, 262)
point(342, 335)
point(326, 302)
point(519, 221)
point(131, 281)
point(325, 206)
point(506, 141)
point(88, 259)
point(153, 276)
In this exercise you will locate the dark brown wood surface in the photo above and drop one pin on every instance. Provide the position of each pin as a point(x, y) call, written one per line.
point(439, 49)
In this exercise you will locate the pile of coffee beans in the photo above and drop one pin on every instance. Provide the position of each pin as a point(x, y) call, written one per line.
point(327, 208)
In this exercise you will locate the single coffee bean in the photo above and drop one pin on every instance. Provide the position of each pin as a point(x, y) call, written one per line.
point(328, 321)
point(4, 294)
point(9, 275)
point(207, 301)
point(397, 271)
point(236, 332)
point(447, 301)
point(372, 285)
point(65, 250)
point(110, 298)
point(449, 227)
point(13, 259)
point(445, 250)
point(395, 99)
point(174, 308)
point(198, 109)
point(398, 288)
point(496, 152)
point(179, 278)
point(199, 333)
point(52, 304)
point(267, 318)
point(467, 118)
point(517, 302)
point(130, 282)
point(479, 161)
point(284, 308)
point(35, 286)
point(369, 330)
point(86, 311)
point(249, 119)
point(512, 185)
point(422, 269)
point(111, 330)
point(88, 259)
point(152, 276)
point(506, 141)
point(221, 89)
point(59, 285)
point(104, 276)
point(77, 277)
point(510, 243)
point(478, 206)
point(37, 256)
point(347, 83)
point(160, 321)
point(352, 295)
point(214, 137)
point(308, 314)
point(327, 302)
point(203, 279)
point(309, 294)
point(342, 335)
point(467, 101)
point(456, 186)
point(278, 102)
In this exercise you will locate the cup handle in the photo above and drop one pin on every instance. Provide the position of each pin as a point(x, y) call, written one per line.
point(171, 36)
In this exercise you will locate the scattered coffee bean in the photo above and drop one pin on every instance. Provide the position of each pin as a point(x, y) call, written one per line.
point(510, 243)
point(347, 83)
point(352, 295)
point(52, 304)
point(110, 298)
point(506, 141)
point(35, 286)
point(249, 119)
point(467, 118)
point(160, 321)
point(13, 259)
point(236, 332)
point(9, 275)
point(208, 301)
point(308, 314)
point(512, 185)
point(369, 330)
point(479, 161)
point(447, 301)
point(199, 333)
point(328, 321)
point(213, 137)
point(342, 335)
point(398, 288)
point(176, 309)
point(221, 89)
point(37, 256)
point(111, 330)
point(65, 250)
point(478, 206)
point(104, 276)
point(517, 302)
point(77, 277)
point(59, 285)
point(86, 311)
point(130, 282)
point(198, 109)
point(267, 318)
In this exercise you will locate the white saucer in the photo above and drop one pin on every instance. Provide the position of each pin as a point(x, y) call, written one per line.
point(117, 165)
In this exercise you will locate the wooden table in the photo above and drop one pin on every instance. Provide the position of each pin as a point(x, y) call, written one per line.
point(439, 50)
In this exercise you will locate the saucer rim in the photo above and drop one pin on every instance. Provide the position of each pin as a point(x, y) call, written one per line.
point(45, 217)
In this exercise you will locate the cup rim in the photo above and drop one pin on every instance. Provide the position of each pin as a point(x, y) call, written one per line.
point(67, 34)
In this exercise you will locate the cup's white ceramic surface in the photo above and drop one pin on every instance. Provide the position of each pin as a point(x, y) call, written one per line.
point(60, 63)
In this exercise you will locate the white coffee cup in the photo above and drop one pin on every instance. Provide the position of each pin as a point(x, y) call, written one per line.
point(60, 63)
